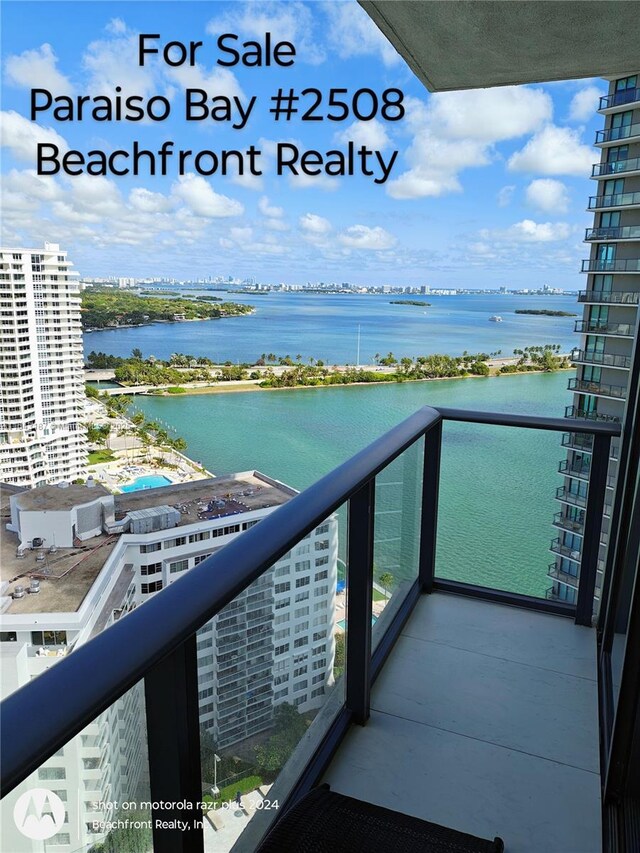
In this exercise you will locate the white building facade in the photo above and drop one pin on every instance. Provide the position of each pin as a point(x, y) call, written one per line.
point(42, 439)
point(274, 643)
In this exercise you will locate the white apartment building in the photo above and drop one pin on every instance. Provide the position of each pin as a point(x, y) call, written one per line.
point(90, 557)
point(42, 396)
point(609, 325)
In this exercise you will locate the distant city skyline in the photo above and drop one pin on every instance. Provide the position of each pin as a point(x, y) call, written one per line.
point(488, 189)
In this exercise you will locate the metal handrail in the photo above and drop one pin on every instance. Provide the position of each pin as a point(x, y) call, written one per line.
point(129, 650)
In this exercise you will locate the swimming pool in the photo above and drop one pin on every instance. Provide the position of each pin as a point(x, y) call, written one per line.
point(150, 481)
point(343, 622)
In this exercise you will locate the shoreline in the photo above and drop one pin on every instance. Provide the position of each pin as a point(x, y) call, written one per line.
point(254, 384)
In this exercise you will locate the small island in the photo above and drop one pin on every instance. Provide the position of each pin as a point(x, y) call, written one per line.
point(410, 302)
point(544, 312)
point(106, 309)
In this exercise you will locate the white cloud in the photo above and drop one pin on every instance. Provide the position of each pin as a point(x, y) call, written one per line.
point(275, 225)
point(241, 235)
point(505, 195)
point(112, 62)
point(292, 22)
point(554, 151)
point(458, 130)
point(267, 210)
point(37, 69)
point(199, 196)
point(363, 237)
point(548, 195)
point(314, 224)
point(147, 201)
point(352, 33)
point(217, 81)
point(584, 103)
point(490, 115)
point(116, 26)
point(529, 231)
point(22, 136)
point(372, 134)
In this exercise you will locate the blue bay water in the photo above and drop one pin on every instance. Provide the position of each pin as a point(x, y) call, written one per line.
point(325, 326)
point(497, 483)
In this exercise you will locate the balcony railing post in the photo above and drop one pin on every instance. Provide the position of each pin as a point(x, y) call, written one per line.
point(592, 527)
point(429, 515)
point(360, 595)
point(171, 698)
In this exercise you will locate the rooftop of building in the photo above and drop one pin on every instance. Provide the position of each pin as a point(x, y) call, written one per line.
point(58, 499)
point(66, 576)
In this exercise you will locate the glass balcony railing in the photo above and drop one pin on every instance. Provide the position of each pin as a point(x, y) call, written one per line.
point(600, 389)
point(232, 743)
point(565, 522)
point(617, 99)
point(622, 232)
point(583, 414)
point(564, 577)
point(607, 297)
point(626, 265)
point(573, 468)
point(598, 327)
point(564, 494)
point(613, 134)
point(558, 547)
point(616, 167)
point(615, 200)
point(605, 359)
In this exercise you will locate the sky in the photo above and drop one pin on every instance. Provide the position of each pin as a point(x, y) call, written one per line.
point(489, 187)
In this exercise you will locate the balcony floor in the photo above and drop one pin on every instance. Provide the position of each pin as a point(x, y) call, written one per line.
point(484, 719)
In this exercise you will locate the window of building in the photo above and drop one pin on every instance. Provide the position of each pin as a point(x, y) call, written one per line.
point(45, 773)
point(302, 582)
point(8, 636)
point(319, 691)
point(151, 569)
point(302, 596)
point(145, 588)
point(299, 700)
point(281, 650)
point(49, 638)
point(152, 546)
point(280, 694)
point(283, 602)
point(283, 587)
point(320, 576)
point(300, 685)
point(200, 558)
point(175, 543)
point(301, 641)
point(178, 566)
point(199, 537)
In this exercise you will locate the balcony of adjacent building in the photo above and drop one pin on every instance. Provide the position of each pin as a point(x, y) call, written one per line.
point(598, 389)
point(585, 414)
point(614, 201)
point(626, 99)
point(602, 359)
point(605, 328)
point(626, 133)
point(570, 553)
point(458, 686)
point(628, 167)
point(624, 298)
point(618, 265)
point(570, 523)
point(619, 233)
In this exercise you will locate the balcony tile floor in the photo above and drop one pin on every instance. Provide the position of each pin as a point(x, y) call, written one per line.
point(484, 719)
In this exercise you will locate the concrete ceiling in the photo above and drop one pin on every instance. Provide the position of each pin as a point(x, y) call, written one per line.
point(471, 44)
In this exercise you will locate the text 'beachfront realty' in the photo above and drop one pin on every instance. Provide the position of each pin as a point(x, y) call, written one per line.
point(285, 104)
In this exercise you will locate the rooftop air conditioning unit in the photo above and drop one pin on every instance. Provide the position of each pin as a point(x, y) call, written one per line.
point(34, 586)
point(18, 592)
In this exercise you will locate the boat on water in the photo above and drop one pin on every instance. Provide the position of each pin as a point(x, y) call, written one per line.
point(495, 318)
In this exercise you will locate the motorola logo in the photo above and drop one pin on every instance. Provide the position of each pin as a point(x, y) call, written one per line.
point(39, 813)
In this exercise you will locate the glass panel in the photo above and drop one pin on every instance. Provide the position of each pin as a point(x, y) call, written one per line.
point(93, 795)
point(270, 682)
point(396, 534)
point(497, 490)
